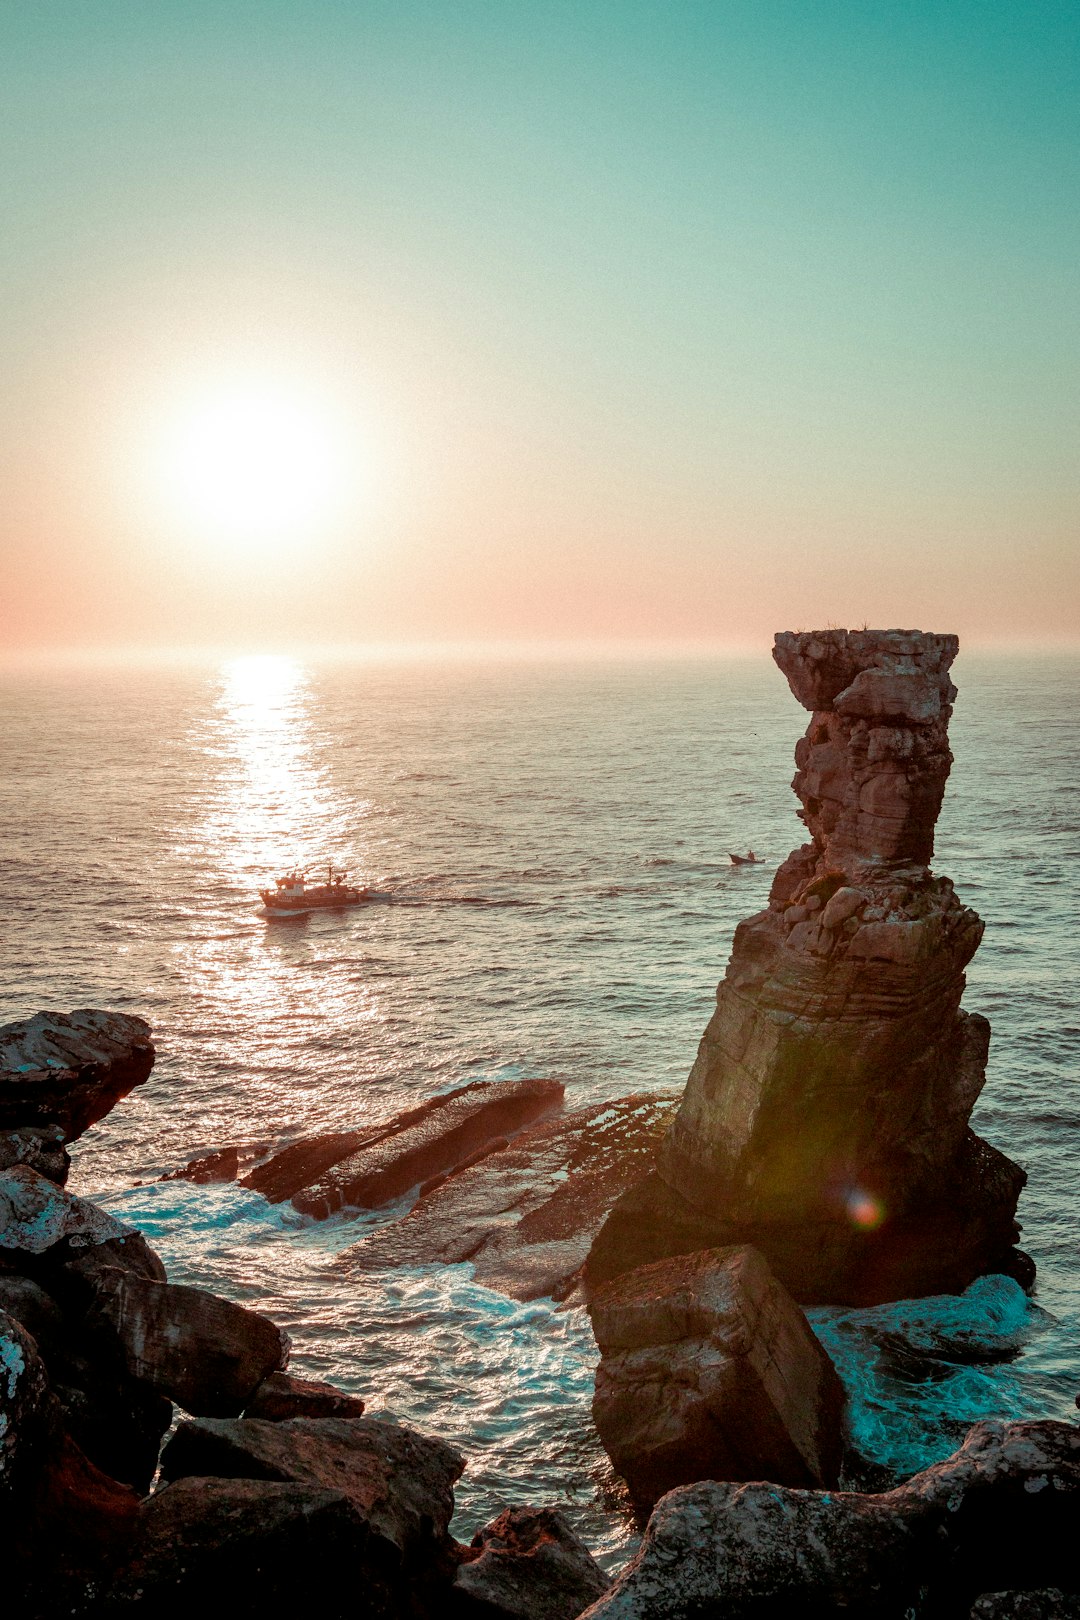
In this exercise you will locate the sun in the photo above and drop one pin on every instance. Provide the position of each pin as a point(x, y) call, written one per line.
point(254, 468)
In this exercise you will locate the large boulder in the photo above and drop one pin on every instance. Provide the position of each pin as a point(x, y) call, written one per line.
point(399, 1480)
point(205, 1353)
point(825, 1119)
point(709, 1370)
point(36, 1216)
point(69, 1069)
point(1000, 1515)
point(528, 1564)
point(251, 1549)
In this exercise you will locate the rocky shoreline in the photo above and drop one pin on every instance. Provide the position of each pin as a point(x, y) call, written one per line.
point(155, 1452)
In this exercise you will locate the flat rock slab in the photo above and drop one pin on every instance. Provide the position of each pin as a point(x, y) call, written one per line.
point(69, 1069)
point(527, 1214)
point(400, 1481)
point(709, 1370)
point(528, 1564)
point(203, 1352)
point(453, 1130)
point(999, 1515)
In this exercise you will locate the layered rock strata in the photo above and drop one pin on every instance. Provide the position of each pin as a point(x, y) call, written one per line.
point(709, 1370)
point(825, 1119)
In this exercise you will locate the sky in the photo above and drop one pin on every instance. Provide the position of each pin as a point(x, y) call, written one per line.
point(350, 323)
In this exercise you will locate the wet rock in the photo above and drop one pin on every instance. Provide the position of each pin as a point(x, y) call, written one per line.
point(224, 1164)
point(205, 1353)
point(998, 1515)
point(36, 1215)
point(281, 1396)
point(400, 1481)
point(39, 1146)
point(252, 1549)
point(825, 1120)
point(709, 1370)
point(70, 1069)
point(23, 1386)
point(526, 1215)
point(453, 1130)
point(527, 1564)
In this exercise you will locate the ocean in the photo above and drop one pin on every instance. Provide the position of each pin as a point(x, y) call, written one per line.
point(548, 842)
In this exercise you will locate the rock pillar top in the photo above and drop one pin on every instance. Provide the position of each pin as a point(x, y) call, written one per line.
point(902, 675)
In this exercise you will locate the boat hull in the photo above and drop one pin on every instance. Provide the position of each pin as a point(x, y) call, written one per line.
point(275, 906)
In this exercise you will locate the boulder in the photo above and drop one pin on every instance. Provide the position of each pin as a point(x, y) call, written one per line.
point(205, 1353)
point(70, 1069)
point(527, 1564)
point(39, 1146)
point(63, 1518)
point(36, 1216)
point(251, 1549)
point(281, 1396)
point(1049, 1603)
point(999, 1515)
point(526, 1215)
point(455, 1130)
point(825, 1119)
point(709, 1370)
point(400, 1481)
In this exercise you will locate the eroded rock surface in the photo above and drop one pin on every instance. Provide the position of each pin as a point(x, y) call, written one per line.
point(528, 1564)
point(282, 1396)
point(709, 1370)
point(825, 1119)
point(527, 1214)
point(69, 1069)
point(999, 1515)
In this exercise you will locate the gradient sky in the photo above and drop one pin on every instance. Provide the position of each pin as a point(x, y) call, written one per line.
point(646, 322)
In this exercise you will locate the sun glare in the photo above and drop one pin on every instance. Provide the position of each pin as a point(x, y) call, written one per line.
point(254, 469)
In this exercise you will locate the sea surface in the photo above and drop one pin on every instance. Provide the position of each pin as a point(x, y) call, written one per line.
point(549, 843)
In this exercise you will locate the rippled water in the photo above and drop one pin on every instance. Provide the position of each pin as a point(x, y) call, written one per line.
point(550, 847)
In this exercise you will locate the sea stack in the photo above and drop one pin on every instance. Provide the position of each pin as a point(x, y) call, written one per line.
point(825, 1120)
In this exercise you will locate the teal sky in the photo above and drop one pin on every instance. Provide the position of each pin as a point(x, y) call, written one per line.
point(659, 321)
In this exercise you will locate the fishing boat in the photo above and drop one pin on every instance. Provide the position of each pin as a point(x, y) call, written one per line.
point(294, 894)
point(749, 859)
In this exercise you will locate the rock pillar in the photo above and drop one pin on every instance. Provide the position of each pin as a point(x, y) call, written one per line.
point(825, 1119)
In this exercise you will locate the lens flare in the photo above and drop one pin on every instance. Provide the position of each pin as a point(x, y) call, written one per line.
point(864, 1210)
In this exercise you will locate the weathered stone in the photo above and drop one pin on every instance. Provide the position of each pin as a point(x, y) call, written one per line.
point(69, 1069)
point(400, 1481)
point(825, 1119)
point(1001, 1514)
point(250, 1549)
point(205, 1353)
point(39, 1146)
point(454, 1129)
point(527, 1564)
point(709, 1370)
point(281, 1396)
point(1049, 1603)
point(36, 1215)
point(526, 1215)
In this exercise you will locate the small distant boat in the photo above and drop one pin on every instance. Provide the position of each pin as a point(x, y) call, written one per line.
point(749, 859)
point(294, 894)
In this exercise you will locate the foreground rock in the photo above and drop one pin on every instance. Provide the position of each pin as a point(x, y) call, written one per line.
point(251, 1549)
point(1000, 1515)
point(825, 1120)
point(709, 1370)
point(400, 1481)
point(527, 1565)
point(281, 1396)
point(527, 1214)
point(69, 1069)
point(205, 1353)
